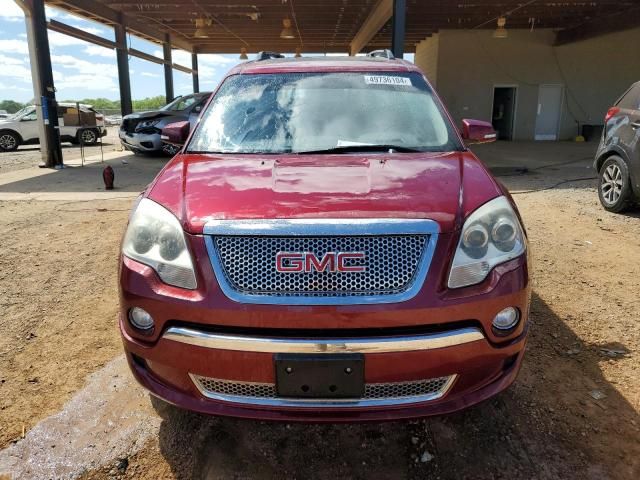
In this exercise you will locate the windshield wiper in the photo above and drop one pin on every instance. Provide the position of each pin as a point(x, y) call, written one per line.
point(363, 148)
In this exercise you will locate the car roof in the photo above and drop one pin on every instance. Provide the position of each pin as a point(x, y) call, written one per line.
point(324, 64)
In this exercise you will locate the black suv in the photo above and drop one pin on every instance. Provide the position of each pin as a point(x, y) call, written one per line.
point(618, 158)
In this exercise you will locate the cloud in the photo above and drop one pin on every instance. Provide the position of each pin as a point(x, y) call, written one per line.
point(5, 60)
point(10, 86)
point(96, 50)
point(11, 12)
point(17, 72)
point(149, 74)
point(57, 39)
point(78, 74)
point(14, 46)
point(95, 83)
point(84, 66)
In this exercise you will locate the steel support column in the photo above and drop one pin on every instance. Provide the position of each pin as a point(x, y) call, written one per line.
point(122, 55)
point(194, 67)
point(42, 78)
point(399, 23)
point(168, 69)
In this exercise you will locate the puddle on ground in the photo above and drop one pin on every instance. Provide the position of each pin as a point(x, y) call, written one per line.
point(111, 417)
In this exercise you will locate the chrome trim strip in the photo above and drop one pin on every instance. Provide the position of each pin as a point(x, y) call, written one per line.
point(241, 343)
point(324, 403)
point(322, 227)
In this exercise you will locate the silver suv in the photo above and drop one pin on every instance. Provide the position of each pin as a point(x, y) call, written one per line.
point(140, 132)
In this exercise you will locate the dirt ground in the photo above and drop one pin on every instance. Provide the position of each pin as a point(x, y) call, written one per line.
point(572, 413)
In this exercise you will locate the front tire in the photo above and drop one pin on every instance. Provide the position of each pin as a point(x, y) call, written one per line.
point(614, 185)
point(9, 141)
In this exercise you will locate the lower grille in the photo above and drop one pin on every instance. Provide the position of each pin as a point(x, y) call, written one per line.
point(375, 393)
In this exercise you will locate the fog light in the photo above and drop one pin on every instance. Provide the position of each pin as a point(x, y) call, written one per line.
point(140, 318)
point(506, 319)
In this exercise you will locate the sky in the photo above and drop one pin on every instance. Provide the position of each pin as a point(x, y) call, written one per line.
point(83, 70)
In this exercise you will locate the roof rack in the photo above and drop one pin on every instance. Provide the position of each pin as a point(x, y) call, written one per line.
point(268, 56)
point(386, 53)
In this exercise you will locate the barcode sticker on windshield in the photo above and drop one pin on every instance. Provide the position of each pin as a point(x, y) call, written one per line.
point(386, 80)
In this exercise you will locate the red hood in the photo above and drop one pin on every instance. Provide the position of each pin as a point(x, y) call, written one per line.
point(198, 188)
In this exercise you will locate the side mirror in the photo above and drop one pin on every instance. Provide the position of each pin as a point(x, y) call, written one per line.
point(477, 131)
point(197, 109)
point(175, 133)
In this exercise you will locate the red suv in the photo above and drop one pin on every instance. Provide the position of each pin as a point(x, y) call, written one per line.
point(325, 248)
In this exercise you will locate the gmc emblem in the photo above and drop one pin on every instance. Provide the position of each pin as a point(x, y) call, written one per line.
point(306, 262)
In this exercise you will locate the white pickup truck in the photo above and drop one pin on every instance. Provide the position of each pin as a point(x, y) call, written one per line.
point(21, 128)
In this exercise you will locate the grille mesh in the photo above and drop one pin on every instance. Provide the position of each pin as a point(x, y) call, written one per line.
point(249, 264)
point(432, 387)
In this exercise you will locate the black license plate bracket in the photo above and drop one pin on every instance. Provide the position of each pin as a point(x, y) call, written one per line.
point(319, 376)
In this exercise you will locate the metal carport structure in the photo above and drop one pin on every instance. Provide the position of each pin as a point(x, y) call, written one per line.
point(309, 26)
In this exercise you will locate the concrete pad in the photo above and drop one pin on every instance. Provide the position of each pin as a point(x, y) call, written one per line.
point(535, 155)
point(77, 182)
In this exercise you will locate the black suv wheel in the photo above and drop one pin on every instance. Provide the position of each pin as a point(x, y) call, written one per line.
point(614, 188)
point(88, 136)
point(9, 141)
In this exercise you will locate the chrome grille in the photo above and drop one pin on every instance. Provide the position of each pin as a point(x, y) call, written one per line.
point(375, 393)
point(249, 264)
point(397, 253)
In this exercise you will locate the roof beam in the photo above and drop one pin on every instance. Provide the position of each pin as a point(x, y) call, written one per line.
point(93, 8)
point(159, 61)
point(103, 42)
point(79, 34)
point(601, 25)
point(378, 17)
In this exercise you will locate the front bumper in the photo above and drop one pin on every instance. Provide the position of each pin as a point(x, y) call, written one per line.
point(203, 335)
point(484, 372)
point(140, 142)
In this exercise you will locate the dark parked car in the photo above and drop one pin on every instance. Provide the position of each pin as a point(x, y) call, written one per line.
point(325, 247)
point(618, 158)
point(140, 132)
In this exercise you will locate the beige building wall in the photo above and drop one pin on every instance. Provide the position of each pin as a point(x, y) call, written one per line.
point(427, 57)
point(470, 63)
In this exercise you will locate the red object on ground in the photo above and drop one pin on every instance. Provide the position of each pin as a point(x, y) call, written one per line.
point(108, 176)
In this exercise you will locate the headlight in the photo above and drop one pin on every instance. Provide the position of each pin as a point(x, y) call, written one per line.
point(490, 236)
point(154, 237)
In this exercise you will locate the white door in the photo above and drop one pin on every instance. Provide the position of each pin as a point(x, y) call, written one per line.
point(549, 108)
point(28, 126)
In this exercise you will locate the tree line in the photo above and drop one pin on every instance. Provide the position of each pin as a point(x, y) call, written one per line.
point(150, 103)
